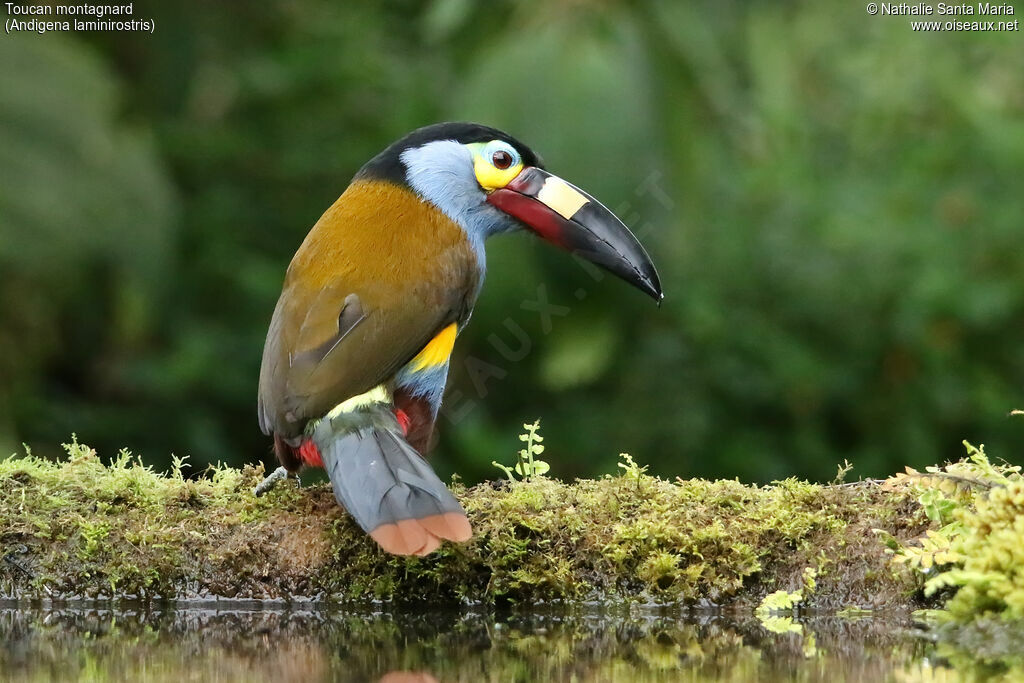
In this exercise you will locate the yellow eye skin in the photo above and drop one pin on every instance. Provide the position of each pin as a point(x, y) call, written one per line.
point(487, 161)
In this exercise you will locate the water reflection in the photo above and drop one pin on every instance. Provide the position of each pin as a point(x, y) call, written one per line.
point(289, 645)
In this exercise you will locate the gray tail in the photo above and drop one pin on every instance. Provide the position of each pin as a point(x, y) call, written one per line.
point(386, 485)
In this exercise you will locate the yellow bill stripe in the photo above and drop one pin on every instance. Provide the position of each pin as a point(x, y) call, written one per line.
point(437, 350)
point(561, 196)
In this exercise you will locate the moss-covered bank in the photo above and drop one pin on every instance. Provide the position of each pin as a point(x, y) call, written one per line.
point(79, 528)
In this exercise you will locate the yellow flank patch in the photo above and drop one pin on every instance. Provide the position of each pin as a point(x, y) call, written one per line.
point(561, 196)
point(378, 394)
point(437, 350)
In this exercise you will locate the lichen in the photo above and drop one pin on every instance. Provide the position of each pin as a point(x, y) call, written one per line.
point(81, 528)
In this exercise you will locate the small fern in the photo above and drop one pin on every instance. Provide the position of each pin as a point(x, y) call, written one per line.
point(527, 466)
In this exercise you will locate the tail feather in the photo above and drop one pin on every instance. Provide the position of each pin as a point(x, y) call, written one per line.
point(388, 488)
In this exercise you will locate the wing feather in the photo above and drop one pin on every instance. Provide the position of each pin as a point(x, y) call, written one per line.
point(405, 282)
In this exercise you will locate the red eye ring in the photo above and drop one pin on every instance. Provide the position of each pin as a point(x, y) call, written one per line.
point(501, 159)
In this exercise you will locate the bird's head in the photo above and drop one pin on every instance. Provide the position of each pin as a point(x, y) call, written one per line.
point(488, 182)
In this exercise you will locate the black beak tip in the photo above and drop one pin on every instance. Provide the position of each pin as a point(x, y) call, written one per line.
point(651, 285)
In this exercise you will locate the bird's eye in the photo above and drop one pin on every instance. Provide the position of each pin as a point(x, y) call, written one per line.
point(501, 159)
point(501, 155)
point(495, 163)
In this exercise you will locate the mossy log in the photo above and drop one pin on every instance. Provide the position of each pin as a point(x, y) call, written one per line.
point(80, 528)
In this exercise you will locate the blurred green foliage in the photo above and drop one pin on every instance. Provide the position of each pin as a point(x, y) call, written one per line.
point(834, 202)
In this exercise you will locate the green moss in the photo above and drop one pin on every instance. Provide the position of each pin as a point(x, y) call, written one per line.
point(82, 528)
point(977, 552)
point(989, 552)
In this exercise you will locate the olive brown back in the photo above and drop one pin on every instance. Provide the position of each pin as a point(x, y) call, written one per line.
point(377, 277)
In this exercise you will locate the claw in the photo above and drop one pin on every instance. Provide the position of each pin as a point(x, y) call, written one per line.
point(272, 479)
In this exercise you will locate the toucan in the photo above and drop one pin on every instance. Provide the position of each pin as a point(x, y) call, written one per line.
point(357, 354)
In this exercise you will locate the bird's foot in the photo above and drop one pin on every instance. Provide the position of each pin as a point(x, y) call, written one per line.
point(272, 479)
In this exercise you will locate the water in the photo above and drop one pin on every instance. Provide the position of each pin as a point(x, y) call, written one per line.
point(228, 642)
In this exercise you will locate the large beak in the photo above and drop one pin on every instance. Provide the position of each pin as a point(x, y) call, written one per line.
point(570, 218)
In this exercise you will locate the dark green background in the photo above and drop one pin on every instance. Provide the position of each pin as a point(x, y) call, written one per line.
point(834, 202)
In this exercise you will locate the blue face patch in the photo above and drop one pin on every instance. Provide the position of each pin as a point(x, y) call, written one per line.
point(441, 172)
